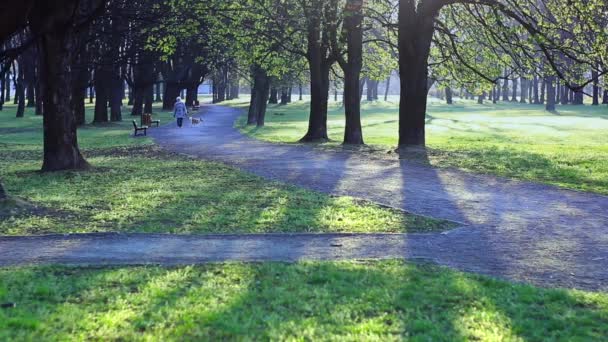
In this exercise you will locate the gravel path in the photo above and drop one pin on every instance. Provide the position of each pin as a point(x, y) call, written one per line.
point(514, 230)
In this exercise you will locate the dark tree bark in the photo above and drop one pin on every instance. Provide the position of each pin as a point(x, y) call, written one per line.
point(300, 96)
point(505, 90)
point(371, 84)
point(20, 92)
point(92, 94)
point(138, 102)
point(7, 98)
point(102, 96)
point(148, 98)
point(596, 89)
point(284, 96)
point(605, 97)
point(289, 93)
point(449, 96)
point(2, 87)
point(39, 100)
point(388, 86)
point(274, 95)
point(416, 27)
point(564, 97)
point(191, 94)
point(172, 90)
point(319, 62)
point(259, 96)
point(551, 86)
point(353, 133)
point(53, 22)
point(535, 94)
point(481, 98)
point(514, 94)
point(3, 195)
point(116, 94)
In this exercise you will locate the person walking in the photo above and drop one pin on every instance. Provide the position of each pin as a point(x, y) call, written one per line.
point(180, 111)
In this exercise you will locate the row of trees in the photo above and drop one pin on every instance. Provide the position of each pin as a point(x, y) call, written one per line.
point(58, 50)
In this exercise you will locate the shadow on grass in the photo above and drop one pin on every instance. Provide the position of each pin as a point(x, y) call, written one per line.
point(371, 300)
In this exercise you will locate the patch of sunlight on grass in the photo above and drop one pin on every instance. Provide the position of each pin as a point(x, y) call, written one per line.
point(136, 187)
point(372, 300)
point(568, 148)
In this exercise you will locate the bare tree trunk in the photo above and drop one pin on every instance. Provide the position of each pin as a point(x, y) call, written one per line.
point(259, 96)
point(596, 88)
point(415, 36)
point(448, 96)
point(353, 133)
point(57, 46)
point(388, 86)
point(551, 86)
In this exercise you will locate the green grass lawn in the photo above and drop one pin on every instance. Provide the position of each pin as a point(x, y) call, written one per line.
point(568, 148)
point(355, 301)
point(135, 187)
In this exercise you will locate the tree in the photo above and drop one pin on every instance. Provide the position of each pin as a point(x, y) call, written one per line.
point(417, 25)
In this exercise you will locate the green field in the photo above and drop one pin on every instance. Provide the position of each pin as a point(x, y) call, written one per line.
point(136, 187)
point(568, 148)
point(353, 301)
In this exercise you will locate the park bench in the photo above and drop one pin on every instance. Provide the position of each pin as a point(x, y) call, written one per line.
point(147, 120)
point(139, 129)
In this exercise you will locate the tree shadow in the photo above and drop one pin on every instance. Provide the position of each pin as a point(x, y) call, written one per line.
point(276, 301)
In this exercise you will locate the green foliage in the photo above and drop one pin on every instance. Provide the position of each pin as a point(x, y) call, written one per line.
point(387, 300)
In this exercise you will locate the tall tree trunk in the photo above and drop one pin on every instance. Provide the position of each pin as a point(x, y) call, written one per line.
point(535, 90)
point(20, 93)
point(564, 95)
point(259, 96)
point(57, 46)
point(514, 95)
point(7, 88)
point(505, 90)
point(605, 97)
point(284, 96)
point(171, 93)
point(2, 92)
point(319, 66)
point(148, 98)
point(2, 191)
point(551, 86)
point(116, 94)
point(92, 94)
point(596, 89)
point(388, 86)
point(449, 96)
point(300, 95)
point(415, 35)
point(353, 133)
point(274, 95)
point(138, 101)
point(39, 100)
point(101, 96)
point(191, 94)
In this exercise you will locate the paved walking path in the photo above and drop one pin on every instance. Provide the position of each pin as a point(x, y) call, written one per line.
point(515, 230)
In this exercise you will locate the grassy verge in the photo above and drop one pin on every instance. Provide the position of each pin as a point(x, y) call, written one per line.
point(387, 300)
point(567, 148)
point(135, 187)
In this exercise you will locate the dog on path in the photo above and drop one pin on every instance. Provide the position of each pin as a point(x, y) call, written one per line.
point(195, 122)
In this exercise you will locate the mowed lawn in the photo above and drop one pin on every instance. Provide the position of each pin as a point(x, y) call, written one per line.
point(316, 301)
point(568, 148)
point(136, 187)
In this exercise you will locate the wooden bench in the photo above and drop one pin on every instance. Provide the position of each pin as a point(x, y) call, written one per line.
point(139, 129)
point(147, 120)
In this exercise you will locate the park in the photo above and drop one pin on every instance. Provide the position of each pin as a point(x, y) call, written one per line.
point(201, 170)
